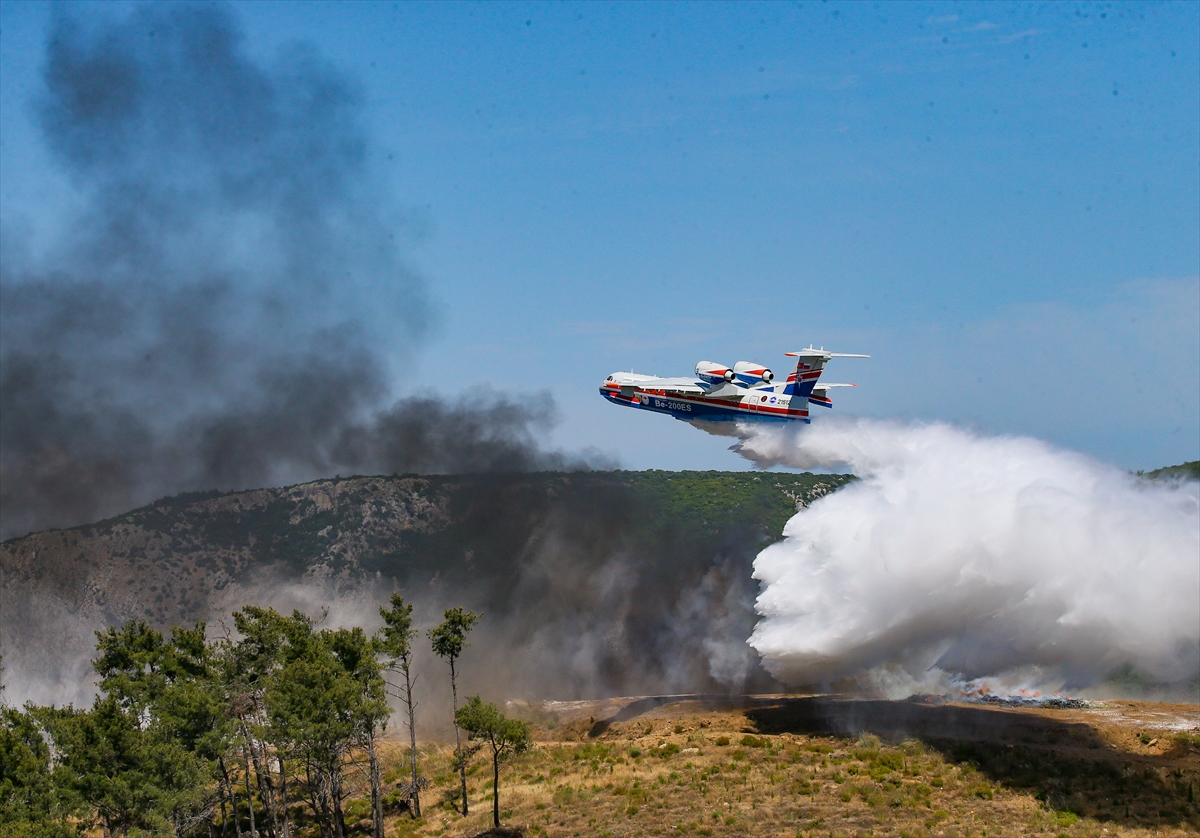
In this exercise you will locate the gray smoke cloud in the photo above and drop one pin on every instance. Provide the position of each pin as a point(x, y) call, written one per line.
point(230, 303)
point(578, 600)
point(229, 307)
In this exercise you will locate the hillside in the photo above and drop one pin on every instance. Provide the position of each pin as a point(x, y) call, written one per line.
point(637, 579)
point(813, 766)
point(1183, 471)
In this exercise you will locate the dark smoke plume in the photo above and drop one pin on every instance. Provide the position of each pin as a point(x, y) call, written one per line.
point(230, 304)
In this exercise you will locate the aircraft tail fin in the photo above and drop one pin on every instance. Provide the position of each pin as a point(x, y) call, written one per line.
point(809, 365)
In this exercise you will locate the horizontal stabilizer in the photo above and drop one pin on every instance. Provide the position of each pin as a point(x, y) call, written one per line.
point(821, 353)
point(820, 394)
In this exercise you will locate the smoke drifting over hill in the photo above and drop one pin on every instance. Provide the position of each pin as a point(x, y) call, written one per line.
point(590, 584)
point(229, 305)
point(958, 558)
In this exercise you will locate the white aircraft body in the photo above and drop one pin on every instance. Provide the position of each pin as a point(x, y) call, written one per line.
point(719, 393)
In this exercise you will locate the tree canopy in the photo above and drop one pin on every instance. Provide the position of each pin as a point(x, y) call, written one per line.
point(504, 736)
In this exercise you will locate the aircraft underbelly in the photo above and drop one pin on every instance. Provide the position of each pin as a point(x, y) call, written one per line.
point(699, 409)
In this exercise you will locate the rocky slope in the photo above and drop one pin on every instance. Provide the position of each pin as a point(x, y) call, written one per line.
point(636, 579)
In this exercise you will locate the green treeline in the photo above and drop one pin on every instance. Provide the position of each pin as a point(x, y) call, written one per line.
point(265, 733)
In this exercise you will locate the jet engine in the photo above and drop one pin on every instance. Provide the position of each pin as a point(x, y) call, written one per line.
point(749, 373)
point(713, 373)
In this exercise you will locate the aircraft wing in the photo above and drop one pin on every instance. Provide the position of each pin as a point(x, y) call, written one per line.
point(827, 386)
point(671, 385)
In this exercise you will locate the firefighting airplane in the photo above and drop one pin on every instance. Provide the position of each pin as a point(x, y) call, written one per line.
point(719, 393)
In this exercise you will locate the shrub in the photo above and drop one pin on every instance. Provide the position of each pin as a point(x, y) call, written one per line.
point(1065, 818)
point(593, 751)
point(890, 759)
point(869, 742)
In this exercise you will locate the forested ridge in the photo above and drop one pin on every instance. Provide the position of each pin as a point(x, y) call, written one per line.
point(600, 583)
point(168, 562)
point(1183, 471)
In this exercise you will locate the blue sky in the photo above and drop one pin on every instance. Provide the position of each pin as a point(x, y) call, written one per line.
point(999, 202)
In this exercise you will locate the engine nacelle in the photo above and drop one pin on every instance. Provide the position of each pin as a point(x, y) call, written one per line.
point(713, 373)
point(749, 373)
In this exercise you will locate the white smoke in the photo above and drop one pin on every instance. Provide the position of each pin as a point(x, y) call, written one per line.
point(959, 557)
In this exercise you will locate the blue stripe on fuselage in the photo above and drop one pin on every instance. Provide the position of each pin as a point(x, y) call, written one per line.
point(691, 411)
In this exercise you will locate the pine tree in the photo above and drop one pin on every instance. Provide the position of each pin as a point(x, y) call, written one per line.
point(449, 639)
point(356, 654)
point(506, 737)
point(395, 645)
point(31, 802)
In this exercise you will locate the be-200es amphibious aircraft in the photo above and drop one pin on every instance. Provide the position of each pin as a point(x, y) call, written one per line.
point(720, 393)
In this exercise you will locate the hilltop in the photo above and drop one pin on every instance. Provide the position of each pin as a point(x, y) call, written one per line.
point(1183, 471)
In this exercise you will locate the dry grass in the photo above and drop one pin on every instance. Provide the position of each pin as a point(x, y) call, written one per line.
point(686, 769)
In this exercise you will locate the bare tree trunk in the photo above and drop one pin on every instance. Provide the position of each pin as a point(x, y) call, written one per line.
point(104, 826)
point(224, 811)
point(462, 763)
point(237, 818)
point(266, 791)
point(320, 802)
point(495, 788)
point(335, 792)
point(287, 818)
point(376, 795)
point(249, 796)
point(414, 800)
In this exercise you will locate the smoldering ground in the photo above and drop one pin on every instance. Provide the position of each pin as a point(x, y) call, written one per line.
point(230, 304)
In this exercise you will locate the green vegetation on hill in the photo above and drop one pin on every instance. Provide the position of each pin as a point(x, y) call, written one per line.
point(1185, 471)
point(718, 500)
point(402, 526)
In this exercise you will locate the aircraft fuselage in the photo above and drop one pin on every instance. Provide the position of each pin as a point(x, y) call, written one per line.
point(718, 393)
point(726, 404)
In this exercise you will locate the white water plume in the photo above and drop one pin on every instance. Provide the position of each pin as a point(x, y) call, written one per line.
point(958, 558)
